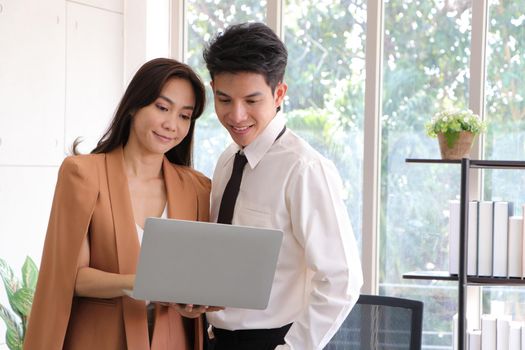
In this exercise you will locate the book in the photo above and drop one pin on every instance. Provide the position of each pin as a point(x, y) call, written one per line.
point(488, 332)
point(523, 247)
point(453, 237)
point(500, 238)
point(472, 238)
point(502, 332)
point(474, 339)
point(485, 238)
point(515, 246)
point(514, 335)
point(455, 332)
point(523, 336)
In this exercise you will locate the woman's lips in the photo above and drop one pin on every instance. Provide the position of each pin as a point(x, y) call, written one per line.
point(163, 138)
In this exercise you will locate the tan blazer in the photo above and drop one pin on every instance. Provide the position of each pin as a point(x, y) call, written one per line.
point(92, 197)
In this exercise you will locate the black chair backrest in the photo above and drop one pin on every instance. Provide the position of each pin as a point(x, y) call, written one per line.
point(380, 323)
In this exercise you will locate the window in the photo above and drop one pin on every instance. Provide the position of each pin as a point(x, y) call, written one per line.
point(425, 68)
point(325, 76)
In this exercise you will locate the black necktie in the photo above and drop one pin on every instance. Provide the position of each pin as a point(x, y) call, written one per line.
point(232, 190)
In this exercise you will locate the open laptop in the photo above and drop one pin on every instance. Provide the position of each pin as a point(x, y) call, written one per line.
point(202, 263)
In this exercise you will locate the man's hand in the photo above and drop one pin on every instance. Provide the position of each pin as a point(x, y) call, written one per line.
point(194, 311)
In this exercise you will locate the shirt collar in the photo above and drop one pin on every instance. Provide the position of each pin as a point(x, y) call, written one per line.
point(262, 143)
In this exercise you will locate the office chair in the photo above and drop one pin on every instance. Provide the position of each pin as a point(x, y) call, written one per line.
point(380, 323)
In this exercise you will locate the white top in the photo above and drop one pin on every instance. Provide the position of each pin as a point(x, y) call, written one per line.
point(140, 230)
point(290, 186)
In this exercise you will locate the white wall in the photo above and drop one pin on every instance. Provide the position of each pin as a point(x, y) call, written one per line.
point(61, 76)
point(94, 72)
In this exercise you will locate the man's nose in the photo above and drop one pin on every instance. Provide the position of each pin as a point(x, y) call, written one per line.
point(238, 112)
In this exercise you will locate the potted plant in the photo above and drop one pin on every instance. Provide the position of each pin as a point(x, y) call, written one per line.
point(20, 295)
point(455, 130)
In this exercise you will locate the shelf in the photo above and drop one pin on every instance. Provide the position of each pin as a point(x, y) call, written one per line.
point(496, 281)
point(430, 275)
point(475, 163)
point(471, 280)
point(441, 161)
point(464, 280)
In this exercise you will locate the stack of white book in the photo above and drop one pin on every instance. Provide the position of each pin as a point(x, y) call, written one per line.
point(496, 333)
point(495, 240)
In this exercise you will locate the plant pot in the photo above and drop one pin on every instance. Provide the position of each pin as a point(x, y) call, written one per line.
point(460, 148)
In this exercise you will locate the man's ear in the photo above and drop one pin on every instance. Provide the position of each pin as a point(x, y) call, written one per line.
point(280, 92)
point(211, 84)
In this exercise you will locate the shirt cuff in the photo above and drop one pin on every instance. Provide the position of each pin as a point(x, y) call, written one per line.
point(283, 347)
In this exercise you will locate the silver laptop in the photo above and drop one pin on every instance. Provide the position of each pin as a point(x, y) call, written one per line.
point(201, 263)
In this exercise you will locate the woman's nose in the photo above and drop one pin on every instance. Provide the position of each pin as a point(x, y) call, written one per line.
point(170, 123)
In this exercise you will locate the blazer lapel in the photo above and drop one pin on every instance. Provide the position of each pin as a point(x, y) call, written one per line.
point(126, 233)
point(127, 247)
point(182, 197)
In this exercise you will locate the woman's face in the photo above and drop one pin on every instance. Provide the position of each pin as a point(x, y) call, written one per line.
point(163, 124)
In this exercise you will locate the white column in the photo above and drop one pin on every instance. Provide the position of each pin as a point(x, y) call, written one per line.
point(274, 15)
point(372, 145)
point(178, 30)
point(477, 105)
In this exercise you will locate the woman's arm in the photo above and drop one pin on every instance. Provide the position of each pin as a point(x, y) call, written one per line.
point(95, 283)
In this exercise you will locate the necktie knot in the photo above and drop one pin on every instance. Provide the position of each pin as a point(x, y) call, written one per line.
point(239, 161)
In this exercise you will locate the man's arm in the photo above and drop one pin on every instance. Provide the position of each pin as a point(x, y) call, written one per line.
point(321, 225)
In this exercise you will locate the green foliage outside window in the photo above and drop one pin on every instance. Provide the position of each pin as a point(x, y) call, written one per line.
point(426, 69)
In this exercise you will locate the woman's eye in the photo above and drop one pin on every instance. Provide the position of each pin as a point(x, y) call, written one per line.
point(162, 108)
point(186, 117)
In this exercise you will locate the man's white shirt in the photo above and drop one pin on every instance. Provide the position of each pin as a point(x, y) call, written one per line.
point(289, 186)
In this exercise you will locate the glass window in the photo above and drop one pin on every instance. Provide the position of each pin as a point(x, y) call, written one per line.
point(425, 69)
point(325, 76)
point(205, 19)
point(505, 137)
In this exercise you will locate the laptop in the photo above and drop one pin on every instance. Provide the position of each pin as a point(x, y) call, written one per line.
point(201, 263)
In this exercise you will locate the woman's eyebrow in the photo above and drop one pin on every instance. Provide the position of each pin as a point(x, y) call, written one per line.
point(171, 102)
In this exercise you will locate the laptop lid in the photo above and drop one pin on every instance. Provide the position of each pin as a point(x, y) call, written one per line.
point(202, 263)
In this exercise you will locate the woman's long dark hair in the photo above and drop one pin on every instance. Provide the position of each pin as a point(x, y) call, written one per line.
point(144, 89)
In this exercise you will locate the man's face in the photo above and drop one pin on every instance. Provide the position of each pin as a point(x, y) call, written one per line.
point(244, 104)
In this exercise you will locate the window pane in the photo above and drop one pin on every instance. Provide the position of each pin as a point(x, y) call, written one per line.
point(425, 69)
point(325, 76)
point(505, 137)
point(205, 19)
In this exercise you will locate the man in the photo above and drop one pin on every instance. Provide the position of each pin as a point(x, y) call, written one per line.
point(285, 184)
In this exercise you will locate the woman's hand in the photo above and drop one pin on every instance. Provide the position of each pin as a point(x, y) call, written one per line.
point(194, 311)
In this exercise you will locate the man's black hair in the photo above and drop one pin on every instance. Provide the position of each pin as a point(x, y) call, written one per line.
point(247, 47)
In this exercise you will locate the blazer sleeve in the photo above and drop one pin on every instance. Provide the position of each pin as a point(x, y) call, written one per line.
point(74, 201)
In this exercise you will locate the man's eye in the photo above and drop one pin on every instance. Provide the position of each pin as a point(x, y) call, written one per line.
point(223, 100)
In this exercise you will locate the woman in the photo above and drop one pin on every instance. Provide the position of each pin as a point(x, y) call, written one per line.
point(140, 168)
